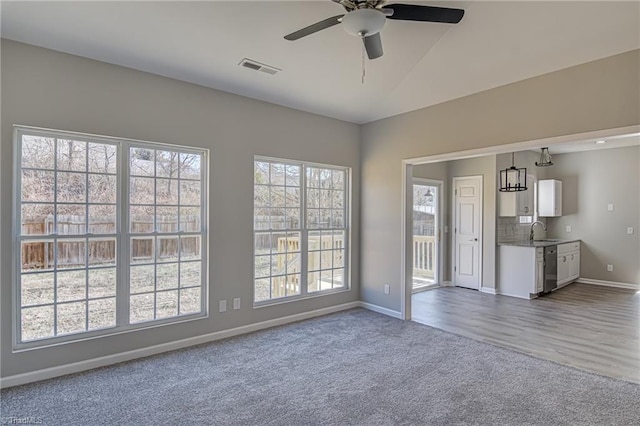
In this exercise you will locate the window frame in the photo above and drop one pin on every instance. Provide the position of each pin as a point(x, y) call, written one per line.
point(122, 266)
point(305, 231)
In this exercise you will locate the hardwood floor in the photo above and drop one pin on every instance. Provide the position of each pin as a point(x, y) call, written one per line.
point(590, 327)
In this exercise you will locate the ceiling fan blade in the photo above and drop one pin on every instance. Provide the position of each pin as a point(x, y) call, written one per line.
point(314, 28)
point(412, 12)
point(373, 45)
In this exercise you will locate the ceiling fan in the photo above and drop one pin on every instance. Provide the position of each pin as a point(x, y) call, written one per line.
point(365, 19)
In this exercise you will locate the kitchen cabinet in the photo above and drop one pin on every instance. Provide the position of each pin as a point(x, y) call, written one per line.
point(568, 263)
point(519, 203)
point(521, 271)
point(549, 198)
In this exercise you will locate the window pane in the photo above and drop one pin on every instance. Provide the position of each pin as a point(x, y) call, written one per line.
point(261, 196)
point(338, 179)
point(141, 162)
point(190, 247)
point(167, 219)
point(102, 313)
point(102, 252)
point(102, 282)
point(261, 172)
point(261, 290)
point(190, 193)
point(72, 155)
point(38, 152)
point(37, 185)
point(277, 174)
point(102, 188)
point(141, 219)
point(36, 323)
point(142, 250)
point(190, 165)
point(313, 261)
point(190, 274)
point(262, 266)
point(142, 278)
point(71, 317)
point(71, 219)
point(71, 254)
point(189, 301)
point(37, 255)
point(167, 249)
point(36, 289)
point(102, 158)
point(167, 191)
point(167, 164)
point(190, 220)
point(102, 219)
point(167, 304)
point(167, 276)
point(71, 285)
point(292, 218)
point(37, 219)
point(141, 308)
point(292, 175)
point(338, 278)
point(142, 190)
point(71, 187)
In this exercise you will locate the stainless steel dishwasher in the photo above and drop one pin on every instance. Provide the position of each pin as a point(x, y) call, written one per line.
point(550, 268)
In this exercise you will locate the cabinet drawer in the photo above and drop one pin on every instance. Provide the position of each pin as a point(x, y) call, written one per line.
point(568, 247)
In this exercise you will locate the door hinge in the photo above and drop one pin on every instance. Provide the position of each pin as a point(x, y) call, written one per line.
point(455, 268)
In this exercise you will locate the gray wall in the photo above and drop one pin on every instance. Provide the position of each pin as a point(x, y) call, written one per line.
point(54, 90)
point(603, 94)
point(590, 181)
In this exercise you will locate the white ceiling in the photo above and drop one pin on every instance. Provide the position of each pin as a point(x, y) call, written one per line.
point(424, 63)
point(621, 141)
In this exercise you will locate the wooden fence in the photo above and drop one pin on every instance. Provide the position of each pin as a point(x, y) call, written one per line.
point(39, 254)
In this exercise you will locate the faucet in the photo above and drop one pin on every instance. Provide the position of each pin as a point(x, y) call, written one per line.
point(544, 227)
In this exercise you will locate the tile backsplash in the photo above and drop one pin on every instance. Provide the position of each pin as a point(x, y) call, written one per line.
point(510, 230)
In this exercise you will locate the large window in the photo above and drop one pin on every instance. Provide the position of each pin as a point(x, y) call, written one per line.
point(300, 229)
point(77, 272)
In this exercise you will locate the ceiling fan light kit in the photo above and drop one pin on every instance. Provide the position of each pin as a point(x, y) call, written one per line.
point(364, 22)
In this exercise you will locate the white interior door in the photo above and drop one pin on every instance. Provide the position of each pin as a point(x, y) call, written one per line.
point(467, 231)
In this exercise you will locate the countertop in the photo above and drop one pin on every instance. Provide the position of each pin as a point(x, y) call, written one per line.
point(536, 243)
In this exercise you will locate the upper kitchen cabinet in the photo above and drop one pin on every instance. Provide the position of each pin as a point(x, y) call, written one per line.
point(521, 203)
point(549, 198)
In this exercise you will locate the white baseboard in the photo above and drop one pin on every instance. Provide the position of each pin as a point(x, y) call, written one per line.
point(381, 310)
point(488, 290)
point(76, 367)
point(609, 283)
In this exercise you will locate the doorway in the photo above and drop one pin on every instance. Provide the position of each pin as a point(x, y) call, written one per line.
point(427, 234)
point(467, 233)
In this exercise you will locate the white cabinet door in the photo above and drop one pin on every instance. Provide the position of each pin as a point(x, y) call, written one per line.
point(525, 198)
point(563, 268)
point(574, 265)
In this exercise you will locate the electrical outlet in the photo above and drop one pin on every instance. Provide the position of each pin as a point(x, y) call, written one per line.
point(568, 228)
point(387, 289)
point(610, 207)
point(610, 268)
point(236, 303)
point(222, 306)
point(630, 230)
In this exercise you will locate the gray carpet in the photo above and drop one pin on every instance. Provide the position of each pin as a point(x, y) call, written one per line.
point(350, 368)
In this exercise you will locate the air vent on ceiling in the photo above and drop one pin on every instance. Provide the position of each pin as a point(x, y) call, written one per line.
point(257, 66)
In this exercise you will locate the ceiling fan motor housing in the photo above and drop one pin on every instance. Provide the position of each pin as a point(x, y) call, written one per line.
point(363, 22)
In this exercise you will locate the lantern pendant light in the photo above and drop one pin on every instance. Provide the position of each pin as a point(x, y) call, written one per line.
point(545, 158)
point(513, 179)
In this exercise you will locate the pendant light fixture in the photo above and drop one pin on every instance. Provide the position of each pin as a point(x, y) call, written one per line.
point(545, 158)
point(513, 179)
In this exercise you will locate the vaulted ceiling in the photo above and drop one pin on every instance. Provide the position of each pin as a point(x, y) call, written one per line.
point(496, 43)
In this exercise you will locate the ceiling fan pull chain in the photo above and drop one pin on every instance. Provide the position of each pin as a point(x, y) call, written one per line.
point(363, 60)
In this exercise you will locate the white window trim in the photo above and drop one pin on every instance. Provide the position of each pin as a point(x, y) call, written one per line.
point(303, 228)
point(122, 268)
